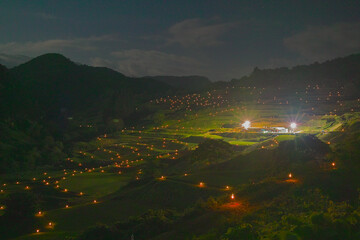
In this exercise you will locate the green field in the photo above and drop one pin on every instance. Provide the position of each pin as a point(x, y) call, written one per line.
point(95, 184)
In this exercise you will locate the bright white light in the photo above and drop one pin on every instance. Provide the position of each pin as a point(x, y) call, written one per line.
point(293, 125)
point(246, 124)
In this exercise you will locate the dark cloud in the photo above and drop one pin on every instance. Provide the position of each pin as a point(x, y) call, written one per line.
point(198, 33)
point(57, 45)
point(42, 15)
point(136, 62)
point(319, 43)
point(12, 60)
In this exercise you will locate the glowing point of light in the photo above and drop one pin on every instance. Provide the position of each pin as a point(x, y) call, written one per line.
point(232, 196)
point(293, 125)
point(246, 124)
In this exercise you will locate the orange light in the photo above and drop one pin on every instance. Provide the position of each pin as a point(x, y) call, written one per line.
point(333, 164)
point(37, 230)
point(201, 184)
point(66, 206)
point(95, 201)
point(50, 223)
point(232, 196)
point(290, 175)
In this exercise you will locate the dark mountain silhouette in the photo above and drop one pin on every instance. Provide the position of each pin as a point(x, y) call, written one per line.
point(44, 103)
point(54, 85)
point(3, 71)
point(343, 71)
point(191, 83)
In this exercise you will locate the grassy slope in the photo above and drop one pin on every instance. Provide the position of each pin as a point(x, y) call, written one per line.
point(176, 192)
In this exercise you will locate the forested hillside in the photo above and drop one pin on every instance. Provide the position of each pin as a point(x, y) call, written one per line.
point(333, 73)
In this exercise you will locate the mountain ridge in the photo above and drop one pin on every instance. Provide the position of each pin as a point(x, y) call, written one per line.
point(336, 72)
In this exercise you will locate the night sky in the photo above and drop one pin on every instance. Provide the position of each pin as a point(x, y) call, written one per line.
point(218, 39)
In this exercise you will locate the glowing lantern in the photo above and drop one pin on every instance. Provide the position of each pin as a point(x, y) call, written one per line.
point(50, 223)
point(333, 164)
point(37, 230)
point(66, 206)
point(232, 196)
point(95, 201)
point(227, 187)
point(201, 184)
point(290, 175)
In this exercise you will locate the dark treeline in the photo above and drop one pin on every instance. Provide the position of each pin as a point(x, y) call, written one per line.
point(338, 72)
point(188, 83)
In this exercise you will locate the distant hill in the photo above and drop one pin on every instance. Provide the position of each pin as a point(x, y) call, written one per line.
point(50, 102)
point(12, 60)
point(185, 82)
point(4, 80)
point(3, 71)
point(52, 85)
point(343, 71)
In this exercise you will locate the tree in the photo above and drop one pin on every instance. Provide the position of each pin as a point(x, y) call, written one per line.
point(242, 232)
point(19, 217)
point(98, 232)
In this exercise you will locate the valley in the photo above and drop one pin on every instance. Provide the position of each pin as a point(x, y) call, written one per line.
point(173, 158)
